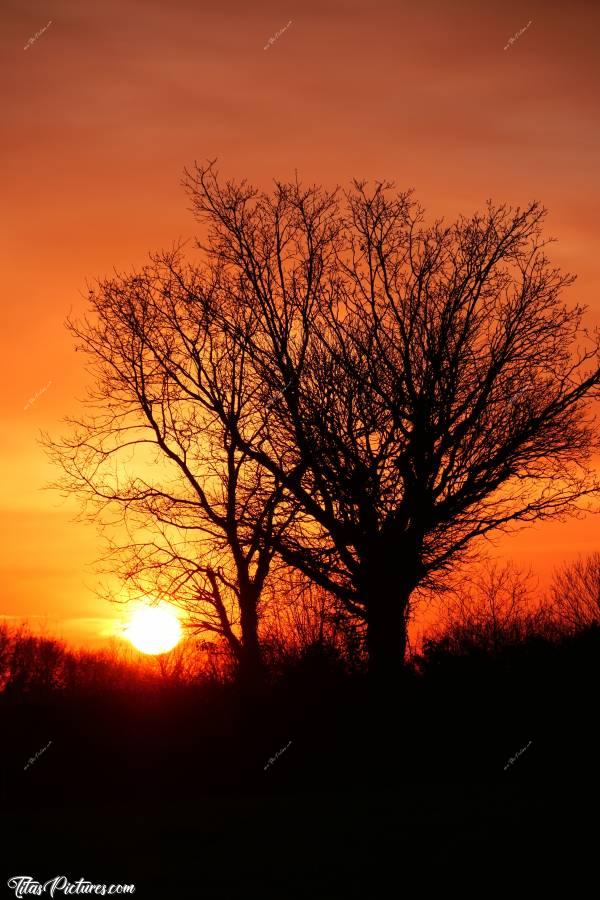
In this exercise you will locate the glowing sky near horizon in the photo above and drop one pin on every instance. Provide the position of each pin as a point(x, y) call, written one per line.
point(108, 104)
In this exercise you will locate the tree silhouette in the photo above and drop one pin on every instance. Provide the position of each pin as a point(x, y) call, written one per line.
point(340, 384)
point(436, 385)
point(494, 608)
point(575, 594)
point(170, 389)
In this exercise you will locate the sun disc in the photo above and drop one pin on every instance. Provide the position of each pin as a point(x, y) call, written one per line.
point(153, 630)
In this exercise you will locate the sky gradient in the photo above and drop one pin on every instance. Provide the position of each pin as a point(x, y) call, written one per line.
point(104, 109)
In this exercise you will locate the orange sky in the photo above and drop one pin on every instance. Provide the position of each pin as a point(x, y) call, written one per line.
point(104, 109)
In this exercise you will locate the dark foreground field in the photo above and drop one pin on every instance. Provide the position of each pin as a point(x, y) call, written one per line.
point(485, 773)
point(312, 845)
point(315, 845)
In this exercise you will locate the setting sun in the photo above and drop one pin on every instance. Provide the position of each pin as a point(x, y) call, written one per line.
point(153, 629)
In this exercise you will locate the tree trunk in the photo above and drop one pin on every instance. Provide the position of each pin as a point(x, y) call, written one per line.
point(387, 593)
point(388, 586)
point(251, 665)
point(386, 637)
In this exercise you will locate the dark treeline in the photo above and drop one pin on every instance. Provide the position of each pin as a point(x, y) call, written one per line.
point(499, 672)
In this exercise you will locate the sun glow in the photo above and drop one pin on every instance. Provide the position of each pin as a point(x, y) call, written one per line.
point(153, 629)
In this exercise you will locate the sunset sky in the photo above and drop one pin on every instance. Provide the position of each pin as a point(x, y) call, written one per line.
point(104, 109)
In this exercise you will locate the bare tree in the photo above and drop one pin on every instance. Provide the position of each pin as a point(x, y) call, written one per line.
point(433, 386)
point(303, 615)
point(496, 605)
point(575, 594)
point(170, 390)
